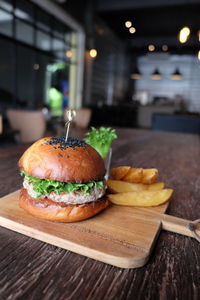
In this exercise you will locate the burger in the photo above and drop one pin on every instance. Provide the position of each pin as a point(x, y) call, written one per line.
point(63, 181)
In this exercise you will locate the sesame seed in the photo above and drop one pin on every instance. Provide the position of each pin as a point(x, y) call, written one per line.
point(61, 144)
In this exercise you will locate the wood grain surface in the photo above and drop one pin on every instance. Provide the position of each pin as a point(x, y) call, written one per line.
point(30, 269)
point(120, 236)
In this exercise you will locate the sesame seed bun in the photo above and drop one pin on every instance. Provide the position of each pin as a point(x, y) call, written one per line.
point(52, 158)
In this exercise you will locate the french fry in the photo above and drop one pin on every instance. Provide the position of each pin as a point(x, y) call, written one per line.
point(149, 176)
point(156, 186)
point(118, 186)
point(141, 198)
point(134, 175)
point(119, 172)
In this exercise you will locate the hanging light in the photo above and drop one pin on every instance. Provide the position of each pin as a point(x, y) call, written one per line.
point(151, 48)
point(128, 24)
point(93, 53)
point(136, 74)
point(132, 30)
point(164, 48)
point(184, 34)
point(156, 75)
point(177, 75)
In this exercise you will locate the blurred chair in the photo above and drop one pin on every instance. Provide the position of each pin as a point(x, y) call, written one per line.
point(82, 118)
point(31, 124)
point(1, 124)
point(176, 123)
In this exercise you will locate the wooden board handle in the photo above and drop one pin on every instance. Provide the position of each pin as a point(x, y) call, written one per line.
point(181, 226)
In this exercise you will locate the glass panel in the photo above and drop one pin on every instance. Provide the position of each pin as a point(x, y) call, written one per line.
point(58, 29)
point(6, 4)
point(25, 76)
point(41, 79)
point(43, 20)
point(24, 32)
point(6, 23)
point(67, 38)
point(7, 73)
point(58, 48)
point(58, 87)
point(24, 10)
point(58, 44)
point(43, 41)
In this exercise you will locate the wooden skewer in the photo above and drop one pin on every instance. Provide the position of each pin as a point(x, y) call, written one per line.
point(70, 115)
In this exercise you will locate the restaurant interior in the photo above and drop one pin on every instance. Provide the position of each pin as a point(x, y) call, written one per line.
point(133, 64)
point(105, 204)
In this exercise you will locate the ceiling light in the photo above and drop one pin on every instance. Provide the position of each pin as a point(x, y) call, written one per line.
point(184, 34)
point(132, 30)
point(128, 24)
point(177, 75)
point(93, 53)
point(151, 47)
point(164, 47)
point(199, 54)
point(136, 74)
point(156, 75)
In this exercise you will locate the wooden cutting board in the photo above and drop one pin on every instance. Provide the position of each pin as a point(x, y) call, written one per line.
point(121, 236)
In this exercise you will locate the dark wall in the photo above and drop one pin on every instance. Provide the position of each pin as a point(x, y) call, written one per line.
point(107, 75)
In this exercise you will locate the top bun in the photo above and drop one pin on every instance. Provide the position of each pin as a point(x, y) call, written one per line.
point(52, 158)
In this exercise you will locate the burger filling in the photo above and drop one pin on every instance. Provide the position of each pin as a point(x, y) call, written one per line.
point(67, 192)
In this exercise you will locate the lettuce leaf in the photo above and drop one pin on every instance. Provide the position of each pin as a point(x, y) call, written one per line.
point(101, 139)
point(46, 186)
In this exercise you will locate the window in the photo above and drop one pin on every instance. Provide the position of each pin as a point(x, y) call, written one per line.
point(58, 29)
point(25, 76)
point(38, 56)
point(7, 74)
point(24, 32)
point(43, 20)
point(41, 79)
point(6, 4)
point(24, 10)
point(43, 40)
point(58, 48)
point(6, 20)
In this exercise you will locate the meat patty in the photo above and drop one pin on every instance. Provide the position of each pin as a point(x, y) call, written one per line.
point(77, 197)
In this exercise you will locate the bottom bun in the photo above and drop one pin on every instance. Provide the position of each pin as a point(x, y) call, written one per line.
point(60, 212)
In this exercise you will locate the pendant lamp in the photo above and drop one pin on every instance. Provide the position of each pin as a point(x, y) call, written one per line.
point(136, 74)
point(156, 75)
point(177, 75)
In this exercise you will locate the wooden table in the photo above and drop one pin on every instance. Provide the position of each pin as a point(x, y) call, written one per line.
point(30, 269)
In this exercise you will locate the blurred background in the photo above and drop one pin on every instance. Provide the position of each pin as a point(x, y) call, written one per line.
point(130, 63)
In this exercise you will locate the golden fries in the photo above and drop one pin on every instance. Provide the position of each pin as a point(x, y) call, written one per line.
point(134, 175)
point(141, 198)
point(118, 186)
point(136, 187)
point(149, 176)
point(119, 172)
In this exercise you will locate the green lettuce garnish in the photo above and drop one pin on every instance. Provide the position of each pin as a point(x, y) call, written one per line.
point(46, 186)
point(101, 139)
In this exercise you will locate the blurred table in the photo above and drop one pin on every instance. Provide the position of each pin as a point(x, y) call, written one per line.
point(30, 269)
